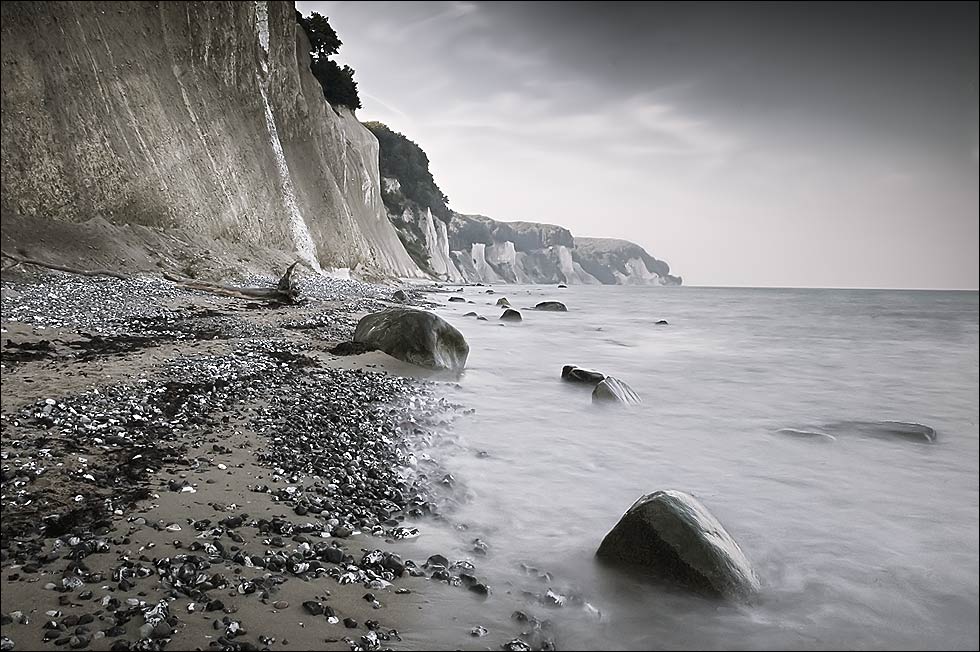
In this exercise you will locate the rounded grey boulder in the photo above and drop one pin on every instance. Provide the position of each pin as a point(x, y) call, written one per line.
point(673, 535)
point(554, 306)
point(511, 315)
point(613, 390)
point(416, 336)
point(502, 301)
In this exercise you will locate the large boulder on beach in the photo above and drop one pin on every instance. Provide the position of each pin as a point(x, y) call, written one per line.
point(416, 336)
point(672, 535)
point(511, 315)
point(502, 301)
point(574, 374)
point(553, 306)
point(613, 390)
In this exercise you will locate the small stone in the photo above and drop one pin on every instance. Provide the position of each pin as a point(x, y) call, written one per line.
point(478, 631)
point(480, 588)
point(162, 629)
point(280, 604)
point(437, 560)
point(313, 608)
point(350, 623)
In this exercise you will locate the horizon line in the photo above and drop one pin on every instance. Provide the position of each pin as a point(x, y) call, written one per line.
point(827, 287)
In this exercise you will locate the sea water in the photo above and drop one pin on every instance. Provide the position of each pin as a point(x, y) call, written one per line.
point(859, 541)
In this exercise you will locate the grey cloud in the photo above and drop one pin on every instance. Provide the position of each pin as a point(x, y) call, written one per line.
point(713, 134)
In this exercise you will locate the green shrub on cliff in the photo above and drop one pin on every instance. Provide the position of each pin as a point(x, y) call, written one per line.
point(405, 161)
point(339, 87)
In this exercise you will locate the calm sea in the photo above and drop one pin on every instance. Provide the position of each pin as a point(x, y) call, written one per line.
point(860, 541)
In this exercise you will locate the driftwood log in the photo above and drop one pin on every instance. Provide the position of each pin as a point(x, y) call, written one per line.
point(284, 292)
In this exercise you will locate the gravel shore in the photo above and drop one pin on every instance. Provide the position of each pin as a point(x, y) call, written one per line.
point(182, 470)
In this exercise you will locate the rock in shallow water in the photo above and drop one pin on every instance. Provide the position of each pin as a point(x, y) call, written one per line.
point(416, 336)
point(673, 535)
point(884, 429)
point(799, 433)
point(511, 315)
point(553, 306)
point(502, 301)
point(575, 374)
point(613, 390)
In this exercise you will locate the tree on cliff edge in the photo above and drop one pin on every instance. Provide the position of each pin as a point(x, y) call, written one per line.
point(339, 87)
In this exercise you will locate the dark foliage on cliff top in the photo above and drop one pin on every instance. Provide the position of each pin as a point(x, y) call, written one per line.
point(405, 161)
point(339, 87)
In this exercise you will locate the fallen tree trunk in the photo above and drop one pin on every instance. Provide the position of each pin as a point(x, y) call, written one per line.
point(284, 292)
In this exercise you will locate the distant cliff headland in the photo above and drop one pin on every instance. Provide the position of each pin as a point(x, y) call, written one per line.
point(475, 248)
point(228, 125)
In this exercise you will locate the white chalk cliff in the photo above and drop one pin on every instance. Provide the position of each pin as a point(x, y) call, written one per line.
point(201, 117)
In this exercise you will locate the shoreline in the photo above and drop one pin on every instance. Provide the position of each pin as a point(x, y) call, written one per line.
point(207, 467)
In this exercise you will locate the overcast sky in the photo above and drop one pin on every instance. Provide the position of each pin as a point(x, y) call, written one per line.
point(825, 145)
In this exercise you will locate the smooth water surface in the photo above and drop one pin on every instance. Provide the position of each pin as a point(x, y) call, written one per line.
point(860, 541)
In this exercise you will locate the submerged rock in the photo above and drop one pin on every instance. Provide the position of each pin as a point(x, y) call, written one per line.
point(470, 314)
point(806, 434)
point(672, 534)
point(457, 299)
point(416, 336)
point(661, 322)
point(511, 315)
point(613, 390)
point(885, 429)
point(553, 306)
point(562, 285)
point(575, 374)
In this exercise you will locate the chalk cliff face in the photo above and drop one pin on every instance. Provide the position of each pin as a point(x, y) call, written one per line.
point(426, 237)
point(621, 262)
point(488, 251)
point(194, 116)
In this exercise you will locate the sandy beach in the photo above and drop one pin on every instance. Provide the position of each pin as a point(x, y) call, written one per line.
point(189, 471)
